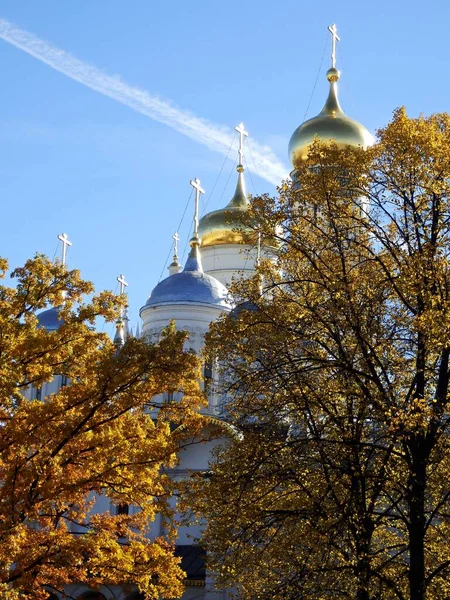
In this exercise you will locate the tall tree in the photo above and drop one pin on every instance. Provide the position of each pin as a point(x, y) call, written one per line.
point(99, 436)
point(337, 369)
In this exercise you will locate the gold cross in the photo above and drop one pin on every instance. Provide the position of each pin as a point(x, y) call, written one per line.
point(242, 133)
point(65, 242)
point(176, 239)
point(123, 284)
point(334, 37)
point(198, 190)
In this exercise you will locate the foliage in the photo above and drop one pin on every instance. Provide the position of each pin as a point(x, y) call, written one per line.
point(337, 369)
point(97, 437)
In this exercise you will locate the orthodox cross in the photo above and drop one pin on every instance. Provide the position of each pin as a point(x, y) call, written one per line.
point(65, 242)
point(198, 190)
point(242, 133)
point(176, 239)
point(258, 250)
point(334, 37)
point(123, 284)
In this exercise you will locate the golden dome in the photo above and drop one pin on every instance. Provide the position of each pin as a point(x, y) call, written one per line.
point(331, 124)
point(225, 226)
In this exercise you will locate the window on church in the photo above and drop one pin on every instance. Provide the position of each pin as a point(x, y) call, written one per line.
point(207, 376)
point(208, 370)
point(123, 509)
point(168, 397)
point(38, 393)
point(64, 380)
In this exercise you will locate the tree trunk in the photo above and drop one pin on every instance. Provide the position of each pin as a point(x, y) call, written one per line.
point(363, 582)
point(417, 525)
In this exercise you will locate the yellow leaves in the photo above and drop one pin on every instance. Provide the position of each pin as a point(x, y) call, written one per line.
point(412, 417)
point(338, 379)
point(105, 437)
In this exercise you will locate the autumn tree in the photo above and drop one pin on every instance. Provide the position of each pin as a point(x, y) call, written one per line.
point(99, 436)
point(336, 366)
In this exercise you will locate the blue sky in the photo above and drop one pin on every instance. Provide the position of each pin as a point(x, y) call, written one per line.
point(117, 181)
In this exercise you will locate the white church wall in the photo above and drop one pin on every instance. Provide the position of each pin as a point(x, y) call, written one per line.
point(229, 261)
point(195, 319)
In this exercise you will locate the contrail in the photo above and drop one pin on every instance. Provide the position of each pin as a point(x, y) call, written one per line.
point(215, 137)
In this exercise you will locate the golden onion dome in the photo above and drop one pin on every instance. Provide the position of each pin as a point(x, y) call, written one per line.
point(225, 226)
point(331, 124)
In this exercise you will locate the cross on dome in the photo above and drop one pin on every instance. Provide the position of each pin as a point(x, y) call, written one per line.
point(65, 242)
point(331, 123)
point(123, 284)
point(334, 37)
point(258, 250)
point(242, 133)
point(198, 190)
point(176, 239)
point(123, 311)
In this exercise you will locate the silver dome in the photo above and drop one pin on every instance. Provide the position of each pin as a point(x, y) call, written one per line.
point(247, 305)
point(191, 286)
point(49, 319)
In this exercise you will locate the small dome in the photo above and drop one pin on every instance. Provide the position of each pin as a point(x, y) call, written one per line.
point(187, 287)
point(246, 306)
point(49, 319)
point(192, 285)
point(225, 226)
point(331, 124)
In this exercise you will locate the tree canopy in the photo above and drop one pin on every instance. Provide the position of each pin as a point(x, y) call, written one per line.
point(98, 436)
point(337, 372)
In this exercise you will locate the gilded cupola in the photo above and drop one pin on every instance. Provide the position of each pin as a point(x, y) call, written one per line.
point(331, 124)
point(226, 225)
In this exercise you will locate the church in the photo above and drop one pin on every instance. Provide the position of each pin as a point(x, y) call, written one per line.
point(196, 294)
